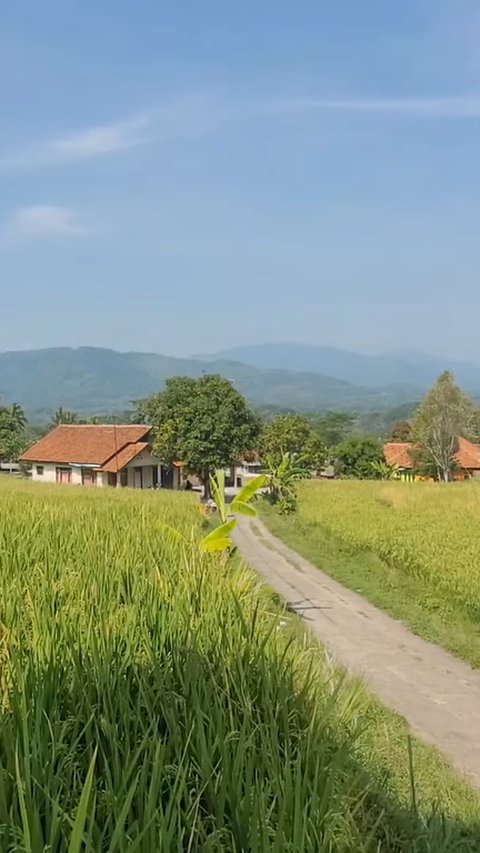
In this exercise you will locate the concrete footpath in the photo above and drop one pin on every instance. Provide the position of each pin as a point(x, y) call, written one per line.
point(437, 694)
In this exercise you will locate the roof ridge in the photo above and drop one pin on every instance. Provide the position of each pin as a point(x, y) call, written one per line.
point(97, 426)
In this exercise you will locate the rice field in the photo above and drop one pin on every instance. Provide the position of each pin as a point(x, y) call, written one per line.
point(429, 531)
point(154, 698)
point(427, 537)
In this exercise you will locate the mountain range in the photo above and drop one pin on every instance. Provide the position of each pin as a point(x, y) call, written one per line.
point(408, 367)
point(94, 380)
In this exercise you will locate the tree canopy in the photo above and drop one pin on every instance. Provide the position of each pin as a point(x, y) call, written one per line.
point(332, 427)
point(204, 423)
point(357, 456)
point(64, 416)
point(292, 434)
point(12, 432)
point(444, 415)
point(401, 431)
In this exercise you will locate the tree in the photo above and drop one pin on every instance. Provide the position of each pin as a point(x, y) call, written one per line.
point(292, 434)
point(401, 431)
point(333, 427)
point(384, 470)
point(63, 416)
point(204, 423)
point(19, 417)
point(12, 432)
point(355, 456)
point(282, 479)
point(445, 414)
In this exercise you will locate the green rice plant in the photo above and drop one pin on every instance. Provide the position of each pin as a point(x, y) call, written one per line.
point(425, 537)
point(154, 699)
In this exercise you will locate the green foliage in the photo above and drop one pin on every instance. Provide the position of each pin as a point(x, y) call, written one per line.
point(292, 434)
point(13, 440)
point(381, 423)
point(444, 415)
point(384, 470)
point(355, 455)
point(204, 423)
point(401, 431)
point(283, 475)
point(333, 427)
point(220, 539)
point(64, 416)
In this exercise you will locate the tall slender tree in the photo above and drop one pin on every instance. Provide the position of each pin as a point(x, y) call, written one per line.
point(444, 415)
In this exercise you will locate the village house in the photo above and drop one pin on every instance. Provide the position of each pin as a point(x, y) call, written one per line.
point(467, 459)
point(100, 455)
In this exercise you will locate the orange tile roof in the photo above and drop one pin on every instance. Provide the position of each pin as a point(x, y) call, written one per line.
point(91, 444)
point(466, 457)
point(398, 453)
point(126, 455)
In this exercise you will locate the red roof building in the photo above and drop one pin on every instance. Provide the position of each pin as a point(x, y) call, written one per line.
point(99, 455)
point(467, 457)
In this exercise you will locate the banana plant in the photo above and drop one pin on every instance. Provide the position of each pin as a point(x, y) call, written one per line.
point(220, 539)
point(385, 470)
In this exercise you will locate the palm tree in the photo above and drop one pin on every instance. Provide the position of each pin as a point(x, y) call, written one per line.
point(63, 416)
point(18, 416)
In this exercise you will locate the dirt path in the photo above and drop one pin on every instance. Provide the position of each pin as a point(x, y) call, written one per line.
point(437, 694)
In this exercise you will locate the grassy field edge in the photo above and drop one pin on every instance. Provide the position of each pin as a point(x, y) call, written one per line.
point(384, 585)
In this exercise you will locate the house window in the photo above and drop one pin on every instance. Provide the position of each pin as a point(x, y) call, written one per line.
point(63, 475)
point(123, 478)
point(112, 479)
point(39, 470)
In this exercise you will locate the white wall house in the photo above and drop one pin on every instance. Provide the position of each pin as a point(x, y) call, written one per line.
point(102, 456)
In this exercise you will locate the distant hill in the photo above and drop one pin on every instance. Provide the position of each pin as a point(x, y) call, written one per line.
point(404, 368)
point(91, 380)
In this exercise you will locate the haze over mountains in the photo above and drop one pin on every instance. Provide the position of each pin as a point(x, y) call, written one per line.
point(93, 380)
point(408, 368)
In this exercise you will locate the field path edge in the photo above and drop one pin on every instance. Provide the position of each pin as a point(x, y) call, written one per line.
point(437, 694)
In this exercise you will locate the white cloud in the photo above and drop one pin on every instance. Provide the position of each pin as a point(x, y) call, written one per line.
point(457, 106)
point(40, 222)
point(82, 144)
point(182, 118)
point(95, 141)
point(200, 115)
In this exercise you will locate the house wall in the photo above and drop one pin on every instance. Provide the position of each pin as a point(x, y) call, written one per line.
point(48, 475)
point(145, 461)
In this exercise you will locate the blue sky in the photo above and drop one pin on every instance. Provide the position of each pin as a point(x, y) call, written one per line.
point(181, 177)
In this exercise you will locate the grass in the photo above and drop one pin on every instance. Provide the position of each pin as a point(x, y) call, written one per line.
point(156, 699)
point(411, 549)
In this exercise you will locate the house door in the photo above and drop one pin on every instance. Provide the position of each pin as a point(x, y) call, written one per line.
point(63, 475)
point(137, 478)
point(167, 477)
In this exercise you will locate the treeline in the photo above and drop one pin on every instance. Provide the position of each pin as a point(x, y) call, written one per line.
point(207, 424)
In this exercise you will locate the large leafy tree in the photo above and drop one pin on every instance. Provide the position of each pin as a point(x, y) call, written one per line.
point(333, 427)
point(358, 456)
point(12, 432)
point(204, 423)
point(292, 434)
point(445, 414)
